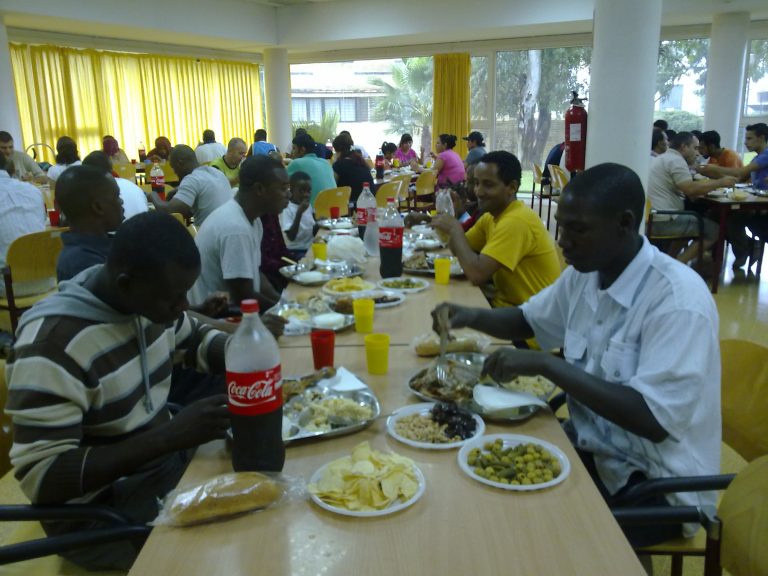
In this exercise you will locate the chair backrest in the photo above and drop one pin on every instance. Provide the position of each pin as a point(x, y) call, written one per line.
point(170, 175)
point(425, 183)
point(388, 190)
point(744, 397)
point(332, 197)
point(743, 512)
point(558, 175)
point(33, 256)
point(405, 181)
point(538, 174)
point(127, 171)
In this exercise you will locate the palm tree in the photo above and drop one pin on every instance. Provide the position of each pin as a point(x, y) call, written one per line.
point(407, 101)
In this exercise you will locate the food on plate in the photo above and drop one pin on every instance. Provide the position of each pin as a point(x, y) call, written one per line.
point(455, 388)
point(417, 262)
point(301, 314)
point(402, 283)
point(221, 496)
point(739, 195)
point(445, 423)
point(524, 464)
point(429, 344)
point(295, 386)
point(309, 277)
point(342, 285)
point(536, 385)
point(330, 320)
point(367, 480)
point(342, 410)
point(313, 302)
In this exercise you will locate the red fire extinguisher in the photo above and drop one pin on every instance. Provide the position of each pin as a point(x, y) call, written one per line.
point(575, 134)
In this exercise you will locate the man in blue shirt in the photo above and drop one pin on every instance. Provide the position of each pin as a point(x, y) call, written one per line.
point(305, 160)
point(260, 144)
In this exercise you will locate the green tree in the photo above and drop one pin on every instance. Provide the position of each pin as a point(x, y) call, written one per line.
point(677, 58)
point(323, 131)
point(407, 102)
point(680, 120)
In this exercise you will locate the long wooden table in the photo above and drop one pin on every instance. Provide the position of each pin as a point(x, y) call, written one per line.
point(459, 526)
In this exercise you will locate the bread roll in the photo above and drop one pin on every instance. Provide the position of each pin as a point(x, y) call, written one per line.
point(223, 496)
point(431, 346)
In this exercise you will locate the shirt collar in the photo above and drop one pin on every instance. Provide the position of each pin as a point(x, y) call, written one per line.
point(625, 287)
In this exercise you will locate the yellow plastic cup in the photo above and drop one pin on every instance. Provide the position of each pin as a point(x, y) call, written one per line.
point(363, 310)
point(320, 250)
point(433, 213)
point(442, 270)
point(377, 353)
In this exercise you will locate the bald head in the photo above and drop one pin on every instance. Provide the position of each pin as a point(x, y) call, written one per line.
point(183, 160)
point(236, 151)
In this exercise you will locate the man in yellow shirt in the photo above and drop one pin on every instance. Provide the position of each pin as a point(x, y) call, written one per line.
point(229, 164)
point(508, 244)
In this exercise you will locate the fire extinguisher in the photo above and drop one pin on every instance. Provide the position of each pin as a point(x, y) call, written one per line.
point(575, 134)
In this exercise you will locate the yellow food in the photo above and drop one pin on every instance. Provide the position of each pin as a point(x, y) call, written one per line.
point(367, 480)
point(342, 285)
point(536, 385)
point(298, 313)
point(343, 408)
point(521, 465)
point(423, 429)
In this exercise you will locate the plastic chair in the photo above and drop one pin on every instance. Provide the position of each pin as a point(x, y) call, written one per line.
point(663, 241)
point(125, 170)
point(744, 403)
point(332, 198)
point(385, 191)
point(405, 184)
point(559, 180)
point(170, 176)
point(424, 196)
point(30, 258)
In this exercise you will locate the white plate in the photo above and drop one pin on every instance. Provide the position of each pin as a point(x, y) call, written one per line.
point(423, 285)
point(510, 441)
point(396, 507)
point(424, 410)
point(325, 290)
point(423, 229)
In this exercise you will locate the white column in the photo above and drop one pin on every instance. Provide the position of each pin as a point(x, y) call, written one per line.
point(9, 107)
point(277, 91)
point(725, 75)
point(623, 83)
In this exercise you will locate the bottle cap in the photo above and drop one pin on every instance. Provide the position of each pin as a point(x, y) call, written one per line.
point(366, 184)
point(249, 306)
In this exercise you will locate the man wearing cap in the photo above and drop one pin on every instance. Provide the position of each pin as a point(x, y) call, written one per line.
point(476, 148)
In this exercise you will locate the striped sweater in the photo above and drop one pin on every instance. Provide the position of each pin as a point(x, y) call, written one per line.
point(76, 379)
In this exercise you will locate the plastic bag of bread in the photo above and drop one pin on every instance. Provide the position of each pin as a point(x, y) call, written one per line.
point(218, 497)
point(462, 341)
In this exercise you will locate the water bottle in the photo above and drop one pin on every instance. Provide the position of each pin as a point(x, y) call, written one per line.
point(444, 205)
point(366, 209)
point(391, 241)
point(371, 240)
point(254, 388)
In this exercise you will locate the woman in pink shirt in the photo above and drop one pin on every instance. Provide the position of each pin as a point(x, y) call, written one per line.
point(405, 152)
point(449, 166)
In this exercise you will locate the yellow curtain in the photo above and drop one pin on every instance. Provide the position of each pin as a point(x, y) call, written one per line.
point(450, 107)
point(87, 94)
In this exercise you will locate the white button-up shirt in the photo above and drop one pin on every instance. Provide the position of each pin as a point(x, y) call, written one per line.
point(655, 329)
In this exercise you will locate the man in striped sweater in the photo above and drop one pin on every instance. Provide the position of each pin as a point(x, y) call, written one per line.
point(89, 377)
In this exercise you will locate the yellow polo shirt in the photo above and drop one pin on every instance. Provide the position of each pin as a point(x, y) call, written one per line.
point(230, 173)
point(517, 240)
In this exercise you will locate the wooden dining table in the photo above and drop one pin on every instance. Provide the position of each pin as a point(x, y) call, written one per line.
point(458, 527)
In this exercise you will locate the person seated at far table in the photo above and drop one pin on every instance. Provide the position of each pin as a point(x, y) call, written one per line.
point(229, 163)
point(162, 150)
point(659, 142)
point(133, 197)
point(66, 156)
point(25, 168)
point(230, 243)
point(709, 147)
point(476, 147)
point(306, 160)
point(260, 144)
point(81, 434)
point(641, 357)
point(449, 167)
point(388, 150)
point(508, 244)
point(350, 169)
point(405, 152)
point(111, 147)
point(22, 212)
point(202, 189)
point(209, 149)
point(297, 220)
point(755, 140)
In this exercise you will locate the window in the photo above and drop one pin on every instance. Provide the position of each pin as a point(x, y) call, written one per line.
point(680, 83)
point(480, 116)
point(756, 96)
point(299, 109)
point(673, 100)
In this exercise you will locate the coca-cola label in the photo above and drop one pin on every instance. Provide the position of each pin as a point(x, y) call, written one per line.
point(391, 237)
point(254, 393)
point(157, 181)
point(362, 216)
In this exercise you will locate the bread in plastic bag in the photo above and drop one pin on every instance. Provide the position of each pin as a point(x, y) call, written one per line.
point(346, 248)
point(219, 497)
point(466, 341)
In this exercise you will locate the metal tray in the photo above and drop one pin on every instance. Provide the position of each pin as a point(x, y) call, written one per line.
point(329, 271)
point(456, 270)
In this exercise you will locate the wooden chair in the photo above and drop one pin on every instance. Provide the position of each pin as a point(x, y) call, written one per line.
point(744, 403)
point(332, 198)
point(666, 242)
point(385, 191)
point(31, 258)
point(127, 171)
point(424, 196)
point(170, 176)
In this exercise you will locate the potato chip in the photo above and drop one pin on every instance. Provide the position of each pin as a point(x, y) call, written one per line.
point(366, 480)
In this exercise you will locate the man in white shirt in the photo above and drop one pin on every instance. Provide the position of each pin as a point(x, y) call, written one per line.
point(670, 182)
point(209, 150)
point(25, 167)
point(22, 211)
point(202, 189)
point(639, 333)
point(133, 197)
point(230, 239)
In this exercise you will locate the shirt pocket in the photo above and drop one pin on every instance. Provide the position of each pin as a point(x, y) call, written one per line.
point(619, 361)
point(575, 347)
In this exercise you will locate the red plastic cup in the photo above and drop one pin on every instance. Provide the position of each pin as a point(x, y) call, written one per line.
point(53, 216)
point(335, 211)
point(323, 342)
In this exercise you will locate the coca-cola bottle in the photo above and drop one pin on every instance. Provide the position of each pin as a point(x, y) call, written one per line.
point(380, 165)
point(254, 387)
point(391, 241)
point(142, 152)
point(365, 210)
point(157, 180)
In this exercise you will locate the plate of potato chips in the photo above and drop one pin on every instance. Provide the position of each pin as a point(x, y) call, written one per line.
point(367, 483)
